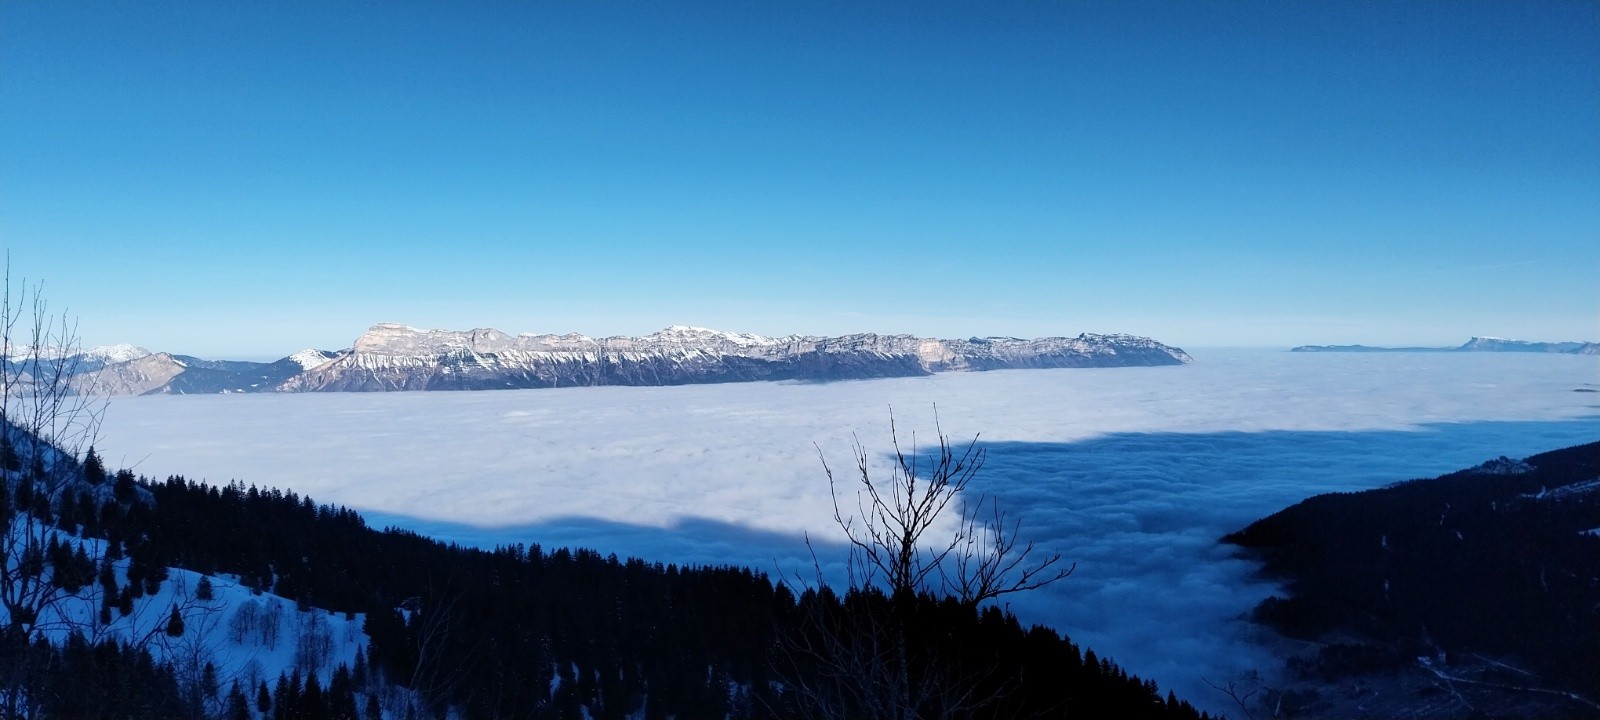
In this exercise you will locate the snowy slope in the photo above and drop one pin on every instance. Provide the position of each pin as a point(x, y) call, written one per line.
point(247, 635)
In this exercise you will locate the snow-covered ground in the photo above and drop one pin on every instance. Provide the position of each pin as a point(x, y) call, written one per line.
point(247, 636)
point(1131, 472)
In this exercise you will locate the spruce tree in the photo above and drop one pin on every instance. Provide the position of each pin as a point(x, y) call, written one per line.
point(123, 489)
point(208, 681)
point(9, 459)
point(341, 695)
point(284, 697)
point(238, 704)
point(175, 623)
point(313, 704)
point(94, 471)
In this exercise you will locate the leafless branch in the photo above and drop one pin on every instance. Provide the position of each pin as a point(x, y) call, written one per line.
point(858, 656)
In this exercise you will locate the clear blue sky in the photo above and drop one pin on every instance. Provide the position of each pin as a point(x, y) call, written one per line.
point(246, 179)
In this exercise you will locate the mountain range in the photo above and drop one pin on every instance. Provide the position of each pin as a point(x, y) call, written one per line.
point(1476, 344)
point(396, 357)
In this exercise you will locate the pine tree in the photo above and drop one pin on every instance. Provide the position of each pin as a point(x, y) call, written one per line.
point(24, 493)
point(203, 590)
point(341, 695)
point(263, 698)
point(238, 704)
point(9, 459)
point(122, 490)
point(175, 623)
point(208, 681)
point(284, 697)
point(88, 515)
point(312, 702)
point(94, 471)
point(82, 568)
point(108, 577)
point(67, 513)
point(358, 676)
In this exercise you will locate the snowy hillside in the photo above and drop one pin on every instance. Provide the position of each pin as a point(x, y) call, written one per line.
point(246, 635)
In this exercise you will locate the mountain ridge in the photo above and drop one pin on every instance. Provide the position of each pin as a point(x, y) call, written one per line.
point(391, 356)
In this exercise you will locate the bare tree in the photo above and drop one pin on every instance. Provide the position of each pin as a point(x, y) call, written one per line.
point(433, 625)
point(983, 557)
point(45, 426)
point(863, 655)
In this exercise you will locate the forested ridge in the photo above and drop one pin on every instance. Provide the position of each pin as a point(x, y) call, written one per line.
point(1496, 566)
point(519, 631)
point(609, 634)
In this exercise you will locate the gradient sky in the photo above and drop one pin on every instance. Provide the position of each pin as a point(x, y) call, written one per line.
point(244, 180)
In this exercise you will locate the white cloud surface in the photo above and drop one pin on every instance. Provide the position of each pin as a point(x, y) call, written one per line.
point(1131, 472)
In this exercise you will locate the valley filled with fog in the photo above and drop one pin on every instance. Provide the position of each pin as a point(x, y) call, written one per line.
point(1132, 473)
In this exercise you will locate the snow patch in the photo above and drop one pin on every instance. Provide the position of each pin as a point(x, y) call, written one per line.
point(1503, 466)
point(311, 357)
point(122, 352)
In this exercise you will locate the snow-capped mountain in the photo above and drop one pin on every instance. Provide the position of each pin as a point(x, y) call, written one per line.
point(49, 359)
point(107, 354)
point(397, 357)
point(311, 357)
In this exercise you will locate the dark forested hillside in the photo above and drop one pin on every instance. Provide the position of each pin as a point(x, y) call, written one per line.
point(1489, 575)
point(528, 632)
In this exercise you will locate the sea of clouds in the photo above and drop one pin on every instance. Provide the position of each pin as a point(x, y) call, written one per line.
point(1132, 473)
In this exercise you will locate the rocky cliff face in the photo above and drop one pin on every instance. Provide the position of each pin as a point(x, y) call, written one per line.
point(396, 357)
point(138, 376)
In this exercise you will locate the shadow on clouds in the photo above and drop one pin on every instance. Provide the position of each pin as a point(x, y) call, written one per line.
point(1140, 514)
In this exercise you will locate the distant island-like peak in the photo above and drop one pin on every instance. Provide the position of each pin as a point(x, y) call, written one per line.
point(1476, 344)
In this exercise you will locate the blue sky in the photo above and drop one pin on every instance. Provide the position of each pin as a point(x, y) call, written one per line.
point(237, 180)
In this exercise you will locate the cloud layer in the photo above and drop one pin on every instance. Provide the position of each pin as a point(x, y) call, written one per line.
point(1131, 472)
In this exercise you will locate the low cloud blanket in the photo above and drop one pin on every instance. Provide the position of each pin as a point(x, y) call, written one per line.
point(1132, 473)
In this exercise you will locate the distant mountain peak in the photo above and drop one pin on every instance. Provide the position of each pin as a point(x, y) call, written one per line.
point(696, 333)
point(1478, 343)
point(121, 352)
point(312, 357)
